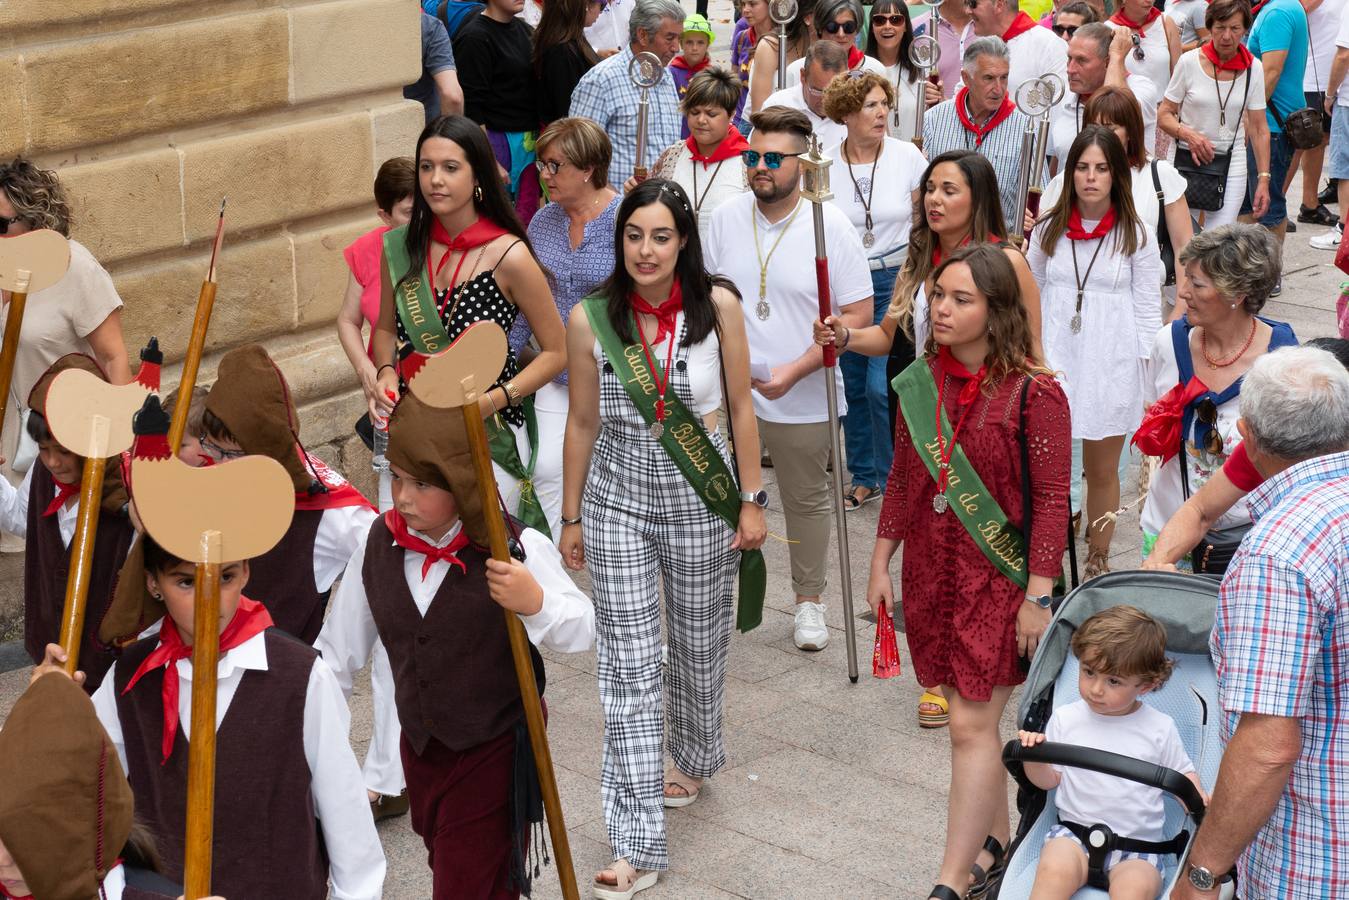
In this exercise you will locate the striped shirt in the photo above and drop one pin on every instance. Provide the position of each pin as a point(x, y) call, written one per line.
point(606, 95)
point(942, 131)
point(1281, 645)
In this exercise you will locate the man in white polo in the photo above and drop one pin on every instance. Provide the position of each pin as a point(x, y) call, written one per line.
point(1096, 56)
point(824, 60)
point(1034, 50)
point(765, 243)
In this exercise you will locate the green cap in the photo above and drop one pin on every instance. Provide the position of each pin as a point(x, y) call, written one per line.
point(696, 24)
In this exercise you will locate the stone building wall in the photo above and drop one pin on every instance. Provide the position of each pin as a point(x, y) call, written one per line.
point(152, 110)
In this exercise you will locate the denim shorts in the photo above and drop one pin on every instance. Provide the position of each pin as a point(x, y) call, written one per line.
point(1116, 856)
point(1280, 157)
point(1337, 158)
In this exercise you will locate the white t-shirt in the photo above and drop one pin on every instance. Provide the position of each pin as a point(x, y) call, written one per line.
point(907, 92)
point(729, 249)
point(1089, 798)
point(1144, 191)
point(869, 64)
point(1065, 119)
point(1035, 52)
point(1323, 25)
point(899, 172)
point(826, 129)
point(1194, 90)
point(1342, 40)
point(1189, 16)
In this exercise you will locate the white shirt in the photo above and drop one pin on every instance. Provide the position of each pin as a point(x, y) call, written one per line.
point(14, 509)
point(786, 334)
point(907, 92)
point(1155, 65)
point(869, 64)
point(1066, 119)
point(703, 369)
point(1188, 16)
point(355, 858)
point(566, 622)
point(610, 31)
point(1143, 190)
point(1130, 809)
point(340, 531)
point(707, 186)
point(899, 172)
point(1035, 52)
point(1323, 26)
point(826, 129)
point(1199, 97)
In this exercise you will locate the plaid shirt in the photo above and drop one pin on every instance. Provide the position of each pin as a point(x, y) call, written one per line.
point(1281, 645)
point(607, 96)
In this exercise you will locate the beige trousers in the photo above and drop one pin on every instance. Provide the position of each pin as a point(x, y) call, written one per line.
point(800, 455)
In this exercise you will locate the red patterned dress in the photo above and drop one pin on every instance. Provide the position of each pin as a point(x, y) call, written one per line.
point(960, 611)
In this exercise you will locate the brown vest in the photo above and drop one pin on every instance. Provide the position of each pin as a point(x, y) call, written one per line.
point(46, 566)
point(454, 677)
point(267, 841)
point(282, 579)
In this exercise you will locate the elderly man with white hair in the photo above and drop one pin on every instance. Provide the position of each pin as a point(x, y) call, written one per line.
point(1279, 815)
point(607, 95)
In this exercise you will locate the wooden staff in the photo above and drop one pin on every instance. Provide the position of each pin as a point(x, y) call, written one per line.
point(448, 380)
point(197, 342)
point(29, 262)
point(209, 516)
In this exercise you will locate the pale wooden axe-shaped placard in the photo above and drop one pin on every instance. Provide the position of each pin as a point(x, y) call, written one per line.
point(28, 264)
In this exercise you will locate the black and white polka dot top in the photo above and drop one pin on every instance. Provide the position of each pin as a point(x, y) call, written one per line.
point(477, 300)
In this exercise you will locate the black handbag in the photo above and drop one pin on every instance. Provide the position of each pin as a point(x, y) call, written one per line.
point(1215, 550)
point(1206, 183)
point(1303, 126)
point(1163, 232)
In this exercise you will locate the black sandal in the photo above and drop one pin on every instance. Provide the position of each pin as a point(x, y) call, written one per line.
point(942, 892)
point(984, 881)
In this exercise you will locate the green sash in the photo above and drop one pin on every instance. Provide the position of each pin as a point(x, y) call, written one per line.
point(971, 502)
point(687, 442)
point(417, 309)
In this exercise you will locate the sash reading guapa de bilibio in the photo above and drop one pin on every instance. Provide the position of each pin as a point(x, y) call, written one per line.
point(688, 444)
point(971, 501)
point(417, 310)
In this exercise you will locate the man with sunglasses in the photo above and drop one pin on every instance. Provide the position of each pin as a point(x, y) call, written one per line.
point(839, 22)
point(765, 243)
point(1096, 54)
point(1035, 51)
point(823, 61)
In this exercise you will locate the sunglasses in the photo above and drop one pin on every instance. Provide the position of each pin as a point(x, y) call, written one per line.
point(1206, 411)
point(6, 222)
point(771, 160)
point(880, 19)
point(845, 27)
point(1066, 30)
point(551, 165)
point(1138, 49)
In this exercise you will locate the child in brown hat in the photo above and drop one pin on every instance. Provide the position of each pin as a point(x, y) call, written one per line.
point(423, 582)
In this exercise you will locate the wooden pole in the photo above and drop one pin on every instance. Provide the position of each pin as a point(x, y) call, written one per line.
point(18, 299)
point(515, 630)
point(196, 343)
point(201, 746)
point(82, 546)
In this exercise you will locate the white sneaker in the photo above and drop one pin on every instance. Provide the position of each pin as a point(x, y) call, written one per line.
point(1328, 241)
point(811, 634)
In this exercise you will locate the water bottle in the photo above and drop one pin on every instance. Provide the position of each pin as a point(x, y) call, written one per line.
point(379, 461)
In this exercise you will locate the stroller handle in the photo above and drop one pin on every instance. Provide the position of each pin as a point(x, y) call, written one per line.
point(1014, 757)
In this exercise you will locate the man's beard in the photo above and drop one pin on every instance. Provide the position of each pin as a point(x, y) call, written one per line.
point(770, 191)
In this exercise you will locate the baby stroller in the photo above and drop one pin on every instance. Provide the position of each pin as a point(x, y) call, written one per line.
point(1185, 606)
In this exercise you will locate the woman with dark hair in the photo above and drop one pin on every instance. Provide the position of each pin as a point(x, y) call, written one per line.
point(638, 465)
point(888, 42)
point(1102, 279)
point(464, 258)
point(972, 615)
point(839, 21)
point(763, 76)
point(698, 164)
point(562, 54)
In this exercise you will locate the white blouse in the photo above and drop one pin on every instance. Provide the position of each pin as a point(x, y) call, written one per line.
point(708, 186)
point(703, 367)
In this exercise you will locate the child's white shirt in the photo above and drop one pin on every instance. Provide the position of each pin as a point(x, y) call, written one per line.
point(14, 509)
point(1130, 809)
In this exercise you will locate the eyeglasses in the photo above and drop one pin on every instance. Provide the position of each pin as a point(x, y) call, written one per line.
point(1206, 411)
point(6, 222)
point(771, 160)
point(845, 27)
point(1066, 31)
point(219, 453)
point(893, 19)
point(551, 165)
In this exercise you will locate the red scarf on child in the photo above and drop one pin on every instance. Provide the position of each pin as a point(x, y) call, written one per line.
point(679, 62)
point(250, 620)
point(1153, 15)
point(1076, 232)
point(63, 493)
point(404, 538)
point(1240, 61)
point(979, 132)
point(1020, 25)
point(949, 365)
point(730, 146)
point(664, 314)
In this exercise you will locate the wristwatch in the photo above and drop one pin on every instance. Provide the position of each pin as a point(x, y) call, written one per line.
point(1203, 879)
point(1044, 601)
point(758, 498)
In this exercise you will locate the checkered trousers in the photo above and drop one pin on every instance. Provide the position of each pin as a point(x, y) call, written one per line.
point(647, 533)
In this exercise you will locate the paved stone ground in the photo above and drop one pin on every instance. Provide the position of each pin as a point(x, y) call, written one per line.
point(831, 789)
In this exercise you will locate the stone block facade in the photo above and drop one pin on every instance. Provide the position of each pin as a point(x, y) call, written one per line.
point(152, 110)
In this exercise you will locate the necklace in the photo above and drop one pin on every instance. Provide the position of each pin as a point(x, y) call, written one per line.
point(1224, 363)
point(762, 310)
point(699, 198)
point(662, 379)
point(940, 503)
point(1081, 280)
point(868, 238)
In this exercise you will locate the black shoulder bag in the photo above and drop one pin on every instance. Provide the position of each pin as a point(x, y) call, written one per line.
point(1207, 182)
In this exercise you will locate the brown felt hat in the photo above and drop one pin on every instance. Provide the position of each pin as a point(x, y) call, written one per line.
point(431, 445)
point(251, 397)
point(132, 609)
point(114, 490)
point(66, 807)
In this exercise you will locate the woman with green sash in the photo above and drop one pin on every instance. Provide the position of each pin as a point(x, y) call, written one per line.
point(465, 258)
point(983, 442)
point(651, 506)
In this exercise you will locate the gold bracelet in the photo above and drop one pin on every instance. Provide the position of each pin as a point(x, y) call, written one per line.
point(512, 393)
point(493, 400)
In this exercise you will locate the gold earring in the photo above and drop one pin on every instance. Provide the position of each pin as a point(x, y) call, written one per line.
point(477, 192)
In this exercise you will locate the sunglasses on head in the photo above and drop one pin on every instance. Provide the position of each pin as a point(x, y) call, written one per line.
point(881, 19)
point(1206, 411)
point(771, 160)
point(1066, 30)
point(845, 27)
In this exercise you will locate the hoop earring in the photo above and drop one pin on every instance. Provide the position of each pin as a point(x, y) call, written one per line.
point(477, 192)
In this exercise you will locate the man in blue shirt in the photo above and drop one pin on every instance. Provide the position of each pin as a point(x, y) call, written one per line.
point(438, 89)
point(1279, 38)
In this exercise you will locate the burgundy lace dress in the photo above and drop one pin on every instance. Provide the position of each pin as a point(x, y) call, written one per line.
point(960, 611)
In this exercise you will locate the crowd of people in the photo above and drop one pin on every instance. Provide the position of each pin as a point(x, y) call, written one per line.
point(651, 254)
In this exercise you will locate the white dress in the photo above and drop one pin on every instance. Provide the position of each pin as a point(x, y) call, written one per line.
point(1101, 368)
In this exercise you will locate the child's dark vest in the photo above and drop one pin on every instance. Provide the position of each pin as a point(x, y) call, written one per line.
point(282, 579)
point(454, 678)
point(267, 841)
point(45, 567)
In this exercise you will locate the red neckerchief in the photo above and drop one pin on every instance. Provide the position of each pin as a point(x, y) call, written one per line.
point(480, 232)
point(947, 364)
point(1153, 15)
point(63, 493)
point(398, 526)
point(1020, 25)
point(250, 620)
point(730, 146)
point(664, 314)
point(1240, 61)
point(1005, 110)
point(339, 492)
point(1159, 432)
point(936, 251)
point(679, 62)
point(855, 56)
point(1076, 232)
point(8, 896)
